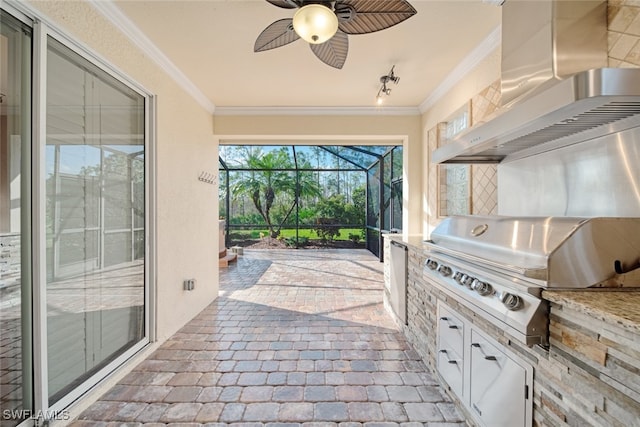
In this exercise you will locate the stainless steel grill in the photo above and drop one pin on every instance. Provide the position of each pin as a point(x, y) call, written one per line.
point(498, 265)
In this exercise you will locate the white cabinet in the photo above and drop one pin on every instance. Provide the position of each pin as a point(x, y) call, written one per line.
point(398, 253)
point(492, 382)
point(450, 349)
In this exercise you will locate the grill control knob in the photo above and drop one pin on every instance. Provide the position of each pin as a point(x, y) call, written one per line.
point(483, 288)
point(511, 301)
point(458, 276)
point(467, 281)
point(431, 264)
point(444, 270)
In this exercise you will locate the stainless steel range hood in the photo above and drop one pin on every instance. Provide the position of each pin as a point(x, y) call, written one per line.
point(582, 107)
point(555, 91)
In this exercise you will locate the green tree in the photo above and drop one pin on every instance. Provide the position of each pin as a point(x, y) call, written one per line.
point(332, 207)
point(359, 199)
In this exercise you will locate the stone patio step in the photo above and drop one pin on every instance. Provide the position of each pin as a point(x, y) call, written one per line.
point(228, 258)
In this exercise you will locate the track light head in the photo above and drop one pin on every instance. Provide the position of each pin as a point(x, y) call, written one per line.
point(384, 90)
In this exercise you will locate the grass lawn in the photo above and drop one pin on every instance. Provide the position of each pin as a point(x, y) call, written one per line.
point(304, 232)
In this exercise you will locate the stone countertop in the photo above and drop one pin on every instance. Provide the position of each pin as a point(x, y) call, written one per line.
point(620, 306)
point(415, 240)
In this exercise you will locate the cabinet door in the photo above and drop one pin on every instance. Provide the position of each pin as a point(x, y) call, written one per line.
point(498, 393)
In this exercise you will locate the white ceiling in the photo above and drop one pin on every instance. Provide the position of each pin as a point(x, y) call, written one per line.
point(211, 43)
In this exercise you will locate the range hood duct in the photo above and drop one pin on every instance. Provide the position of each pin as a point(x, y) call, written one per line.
point(556, 90)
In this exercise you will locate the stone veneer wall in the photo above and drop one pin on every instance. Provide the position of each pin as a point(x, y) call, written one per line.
point(588, 377)
point(592, 371)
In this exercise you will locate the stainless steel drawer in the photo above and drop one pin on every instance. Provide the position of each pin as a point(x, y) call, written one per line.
point(451, 349)
point(451, 368)
point(450, 330)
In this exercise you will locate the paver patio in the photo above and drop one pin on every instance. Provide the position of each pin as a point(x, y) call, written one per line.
point(296, 337)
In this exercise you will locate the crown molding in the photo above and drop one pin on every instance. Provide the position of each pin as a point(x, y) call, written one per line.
point(317, 111)
point(312, 139)
point(483, 50)
point(110, 11)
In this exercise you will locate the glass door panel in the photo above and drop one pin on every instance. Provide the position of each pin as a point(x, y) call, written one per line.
point(15, 222)
point(95, 219)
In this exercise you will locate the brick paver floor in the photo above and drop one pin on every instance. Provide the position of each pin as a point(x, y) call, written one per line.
point(296, 338)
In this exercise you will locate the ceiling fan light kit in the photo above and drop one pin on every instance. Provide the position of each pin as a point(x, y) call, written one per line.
point(326, 24)
point(315, 23)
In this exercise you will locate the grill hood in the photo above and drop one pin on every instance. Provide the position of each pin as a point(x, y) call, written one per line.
point(556, 89)
point(560, 252)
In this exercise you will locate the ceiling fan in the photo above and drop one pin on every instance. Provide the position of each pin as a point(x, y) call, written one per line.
point(326, 24)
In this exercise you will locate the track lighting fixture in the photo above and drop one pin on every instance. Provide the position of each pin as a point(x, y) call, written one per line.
point(384, 90)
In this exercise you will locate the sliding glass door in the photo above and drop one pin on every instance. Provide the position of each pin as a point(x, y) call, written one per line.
point(74, 219)
point(94, 218)
point(15, 222)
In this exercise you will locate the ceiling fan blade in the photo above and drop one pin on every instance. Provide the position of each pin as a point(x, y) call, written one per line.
point(368, 16)
point(285, 4)
point(334, 51)
point(275, 35)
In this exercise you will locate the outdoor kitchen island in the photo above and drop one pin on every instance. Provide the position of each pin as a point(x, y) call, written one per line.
point(587, 374)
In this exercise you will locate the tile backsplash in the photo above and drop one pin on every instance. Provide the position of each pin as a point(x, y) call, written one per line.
point(484, 178)
point(624, 33)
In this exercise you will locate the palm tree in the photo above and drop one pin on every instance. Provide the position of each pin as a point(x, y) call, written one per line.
point(267, 179)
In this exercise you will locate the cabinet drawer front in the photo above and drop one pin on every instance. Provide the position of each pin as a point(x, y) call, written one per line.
point(450, 331)
point(450, 366)
point(497, 385)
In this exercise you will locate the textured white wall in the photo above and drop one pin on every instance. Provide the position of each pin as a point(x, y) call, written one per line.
point(481, 76)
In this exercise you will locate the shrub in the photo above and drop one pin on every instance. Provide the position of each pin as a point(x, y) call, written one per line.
point(290, 242)
point(326, 229)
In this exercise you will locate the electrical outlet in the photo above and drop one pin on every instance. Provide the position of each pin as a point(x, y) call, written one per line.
point(189, 284)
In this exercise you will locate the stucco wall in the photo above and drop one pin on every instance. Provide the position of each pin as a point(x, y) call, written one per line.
point(187, 209)
point(482, 75)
